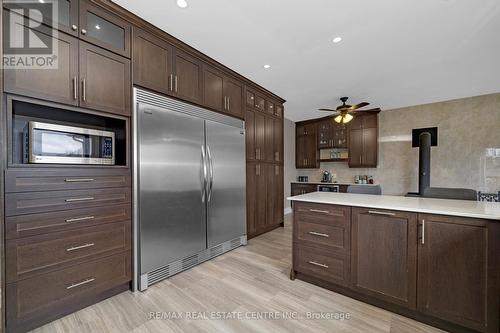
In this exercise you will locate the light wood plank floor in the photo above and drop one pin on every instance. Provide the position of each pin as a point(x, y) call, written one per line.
point(243, 282)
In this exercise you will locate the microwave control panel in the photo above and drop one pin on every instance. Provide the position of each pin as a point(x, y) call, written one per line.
point(107, 147)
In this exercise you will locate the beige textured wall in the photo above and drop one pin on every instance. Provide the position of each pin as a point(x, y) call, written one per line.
point(466, 127)
point(290, 173)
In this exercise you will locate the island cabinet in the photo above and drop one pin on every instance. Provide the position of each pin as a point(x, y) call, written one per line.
point(439, 269)
point(384, 255)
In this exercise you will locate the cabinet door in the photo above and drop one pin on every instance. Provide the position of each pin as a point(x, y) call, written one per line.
point(279, 111)
point(370, 147)
point(279, 195)
point(187, 77)
point(213, 89)
point(57, 85)
point(355, 148)
point(252, 198)
point(325, 137)
point(105, 80)
point(260, 124)
point(234, 97)
point(270, 107)
point(270, 194)
point(453, 270)
point(278, 140)
point(300, 147)
point(261, 196)
point(99, 27)
point(311, 151)
point(250, 135)
point(269, 139)
point(384, 254)
point(152, 62)
point(250, 99)
point(339, 136)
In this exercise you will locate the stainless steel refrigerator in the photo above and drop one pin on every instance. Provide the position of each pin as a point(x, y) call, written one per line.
point(189, 186)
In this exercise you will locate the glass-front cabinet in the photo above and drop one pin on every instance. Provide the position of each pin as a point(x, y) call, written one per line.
point(100, 28)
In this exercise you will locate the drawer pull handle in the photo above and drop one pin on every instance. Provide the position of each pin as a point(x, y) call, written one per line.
point(78, 219)
point(380, 213)
point(74, 285)
point(318, 264)
point(319, 211)
point(80, 199)
point(318, 234)
point(78, 180)
point(79, 247)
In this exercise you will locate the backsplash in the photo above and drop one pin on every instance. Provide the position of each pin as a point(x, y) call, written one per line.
point(467, 127)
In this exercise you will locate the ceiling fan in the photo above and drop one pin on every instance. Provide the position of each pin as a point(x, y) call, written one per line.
point(344, 113)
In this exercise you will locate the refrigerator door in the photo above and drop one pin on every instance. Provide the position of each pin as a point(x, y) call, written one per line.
point(226, 191)
point(172, 191)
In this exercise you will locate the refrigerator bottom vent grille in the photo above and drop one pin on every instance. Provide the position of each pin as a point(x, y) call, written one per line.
point(180, 265)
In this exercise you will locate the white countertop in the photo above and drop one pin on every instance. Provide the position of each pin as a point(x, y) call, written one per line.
point(475, 209)
point(338, 183)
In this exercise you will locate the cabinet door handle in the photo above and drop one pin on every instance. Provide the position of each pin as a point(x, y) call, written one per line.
point(257, 169)
point(79, 199)
point(318, 264)
point(360, 162)
point(319, 211)
point(84, 90)
point(75, 87)
point(74, 285)
point(423, 232)
point(318, 234)
point(74, 248)
point(276, 170)
point(225, 103)
point(376, 212)
point(78, 180)
point(171, 82)
point(175, 83)
point(78, 219)
point(228, 103)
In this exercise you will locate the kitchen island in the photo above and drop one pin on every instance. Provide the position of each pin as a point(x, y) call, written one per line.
point(433, 260)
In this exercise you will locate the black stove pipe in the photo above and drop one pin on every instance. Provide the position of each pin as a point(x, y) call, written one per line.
point(424, 162)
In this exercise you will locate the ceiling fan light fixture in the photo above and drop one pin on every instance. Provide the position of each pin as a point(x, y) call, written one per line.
point(338, 119)
point(347, 118)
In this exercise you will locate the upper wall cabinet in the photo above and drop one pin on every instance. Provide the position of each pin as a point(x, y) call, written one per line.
point(363, 141)
point(99, 27)
point(152, 62)
point(187, 74)
point(258, 102)
point(222, 93)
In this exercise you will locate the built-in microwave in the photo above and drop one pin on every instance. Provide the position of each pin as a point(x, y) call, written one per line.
point(328, 188)
point(60, 144)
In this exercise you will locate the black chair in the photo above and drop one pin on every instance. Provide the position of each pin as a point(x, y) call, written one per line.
point(364, 189)
point(450, 193)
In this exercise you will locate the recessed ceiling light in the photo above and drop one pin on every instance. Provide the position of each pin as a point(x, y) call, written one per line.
point(182, 3)
point(41, 1)
point(337, 40)
point(266, 66)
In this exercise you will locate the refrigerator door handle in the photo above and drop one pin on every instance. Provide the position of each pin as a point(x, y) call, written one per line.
point(210, 172)
point(204, 170)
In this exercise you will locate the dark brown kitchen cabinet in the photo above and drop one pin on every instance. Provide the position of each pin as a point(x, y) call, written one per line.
point(339, 135)
point(279, 194)
point(104, 80)
point(58, 85)
point(278, 112)
point(270, 153)
point(298, 188)
point(256, 136)
point(278, 140)
point(152, 62)
point(363, 141)
point(453, 264)
point(384, 255)
point(306, 153)
point(271, 195)
point(233, 94)
point(325, 134)
point(187, 77)
point(256, 198)
point(222, 93)
point(100, 27)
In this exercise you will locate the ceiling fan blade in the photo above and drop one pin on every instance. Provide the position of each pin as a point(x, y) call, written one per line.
point(327, 110)
point(360, 105)
point(369, 110)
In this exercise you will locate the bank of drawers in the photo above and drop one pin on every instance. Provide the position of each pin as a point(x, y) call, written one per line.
point(68, 240)
point(321, 238)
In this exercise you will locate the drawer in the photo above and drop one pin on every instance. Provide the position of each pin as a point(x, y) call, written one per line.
point(26, 257)
point(36, 224)
point(64, 179)
point(39, 202)
point(321, 264)
point(43, 298)
point(335, 236)
point(321, 213)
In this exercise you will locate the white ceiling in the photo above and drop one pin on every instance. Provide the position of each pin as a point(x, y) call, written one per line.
point(394, 53)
